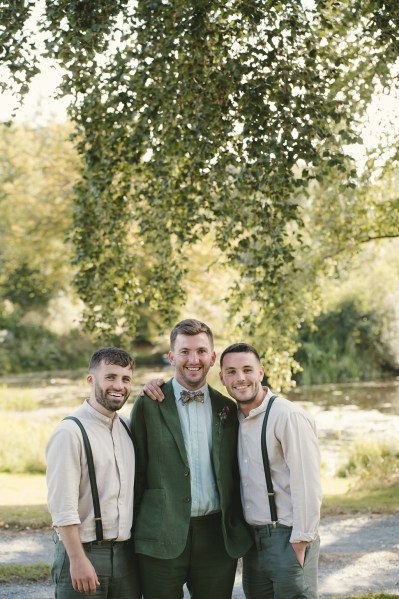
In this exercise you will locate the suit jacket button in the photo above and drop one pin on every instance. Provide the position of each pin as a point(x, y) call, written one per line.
point(186, 472)
point(187, 499)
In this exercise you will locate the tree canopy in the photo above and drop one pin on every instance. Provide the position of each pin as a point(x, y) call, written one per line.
point(201, 117)
point(38, 170)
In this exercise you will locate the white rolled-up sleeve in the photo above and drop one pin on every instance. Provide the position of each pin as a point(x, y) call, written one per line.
point(63, 458)
point(302, 455)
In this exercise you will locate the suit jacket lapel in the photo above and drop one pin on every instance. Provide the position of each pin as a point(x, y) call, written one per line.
point(170, 415)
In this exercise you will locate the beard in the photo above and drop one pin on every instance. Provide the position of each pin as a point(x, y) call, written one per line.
point(111, 404)
point(253, 397)
point(245, 401)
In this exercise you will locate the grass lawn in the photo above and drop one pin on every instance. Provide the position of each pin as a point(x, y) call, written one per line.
point(20, 489)
point(32, 572)
point(340, 496)
point(23, 499)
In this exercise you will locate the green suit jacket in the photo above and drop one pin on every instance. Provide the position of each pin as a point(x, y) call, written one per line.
point(162, 488)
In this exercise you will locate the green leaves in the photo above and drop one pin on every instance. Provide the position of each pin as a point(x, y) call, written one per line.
point(196, 117)
point(18, 54)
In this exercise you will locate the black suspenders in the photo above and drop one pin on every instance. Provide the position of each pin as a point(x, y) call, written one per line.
point(265, 457)
point(92, 474)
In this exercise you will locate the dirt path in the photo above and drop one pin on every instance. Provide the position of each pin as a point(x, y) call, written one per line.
point(359, 554)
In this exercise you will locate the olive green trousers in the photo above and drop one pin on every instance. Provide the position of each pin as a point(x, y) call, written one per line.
point(115, 565)
point(271, 569)
point(204, 566)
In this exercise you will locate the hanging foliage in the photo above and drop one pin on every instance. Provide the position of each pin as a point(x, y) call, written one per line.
point(194, 117)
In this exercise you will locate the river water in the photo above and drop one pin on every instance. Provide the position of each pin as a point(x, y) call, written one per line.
point(349, 413)
point(374, 395)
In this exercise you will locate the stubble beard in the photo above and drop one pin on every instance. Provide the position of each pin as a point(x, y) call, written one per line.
point(252, 399)
point(108, 404)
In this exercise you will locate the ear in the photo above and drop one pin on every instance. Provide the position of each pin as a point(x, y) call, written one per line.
point(213, 358)
point(221, 377)
point(90, 379)
point(171, 358)
point(261, 373)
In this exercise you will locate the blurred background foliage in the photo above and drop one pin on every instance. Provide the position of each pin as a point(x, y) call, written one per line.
point(353, 335)
point(207, 172)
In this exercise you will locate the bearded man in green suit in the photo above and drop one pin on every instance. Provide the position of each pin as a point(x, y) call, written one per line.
point(189, 526)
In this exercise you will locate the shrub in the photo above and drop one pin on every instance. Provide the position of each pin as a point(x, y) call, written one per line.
point(373, 463)
point(30, 348)
point(346, 345)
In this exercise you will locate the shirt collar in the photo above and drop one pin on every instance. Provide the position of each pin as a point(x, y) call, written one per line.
point(259, 409)
point(96, 414)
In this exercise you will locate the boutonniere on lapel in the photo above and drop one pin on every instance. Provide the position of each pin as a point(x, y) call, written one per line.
point(223, 416)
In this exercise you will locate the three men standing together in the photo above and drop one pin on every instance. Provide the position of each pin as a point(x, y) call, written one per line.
point(188, 522)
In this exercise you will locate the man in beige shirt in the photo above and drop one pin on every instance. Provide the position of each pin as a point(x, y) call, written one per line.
point(282, 564)
point(85, 563)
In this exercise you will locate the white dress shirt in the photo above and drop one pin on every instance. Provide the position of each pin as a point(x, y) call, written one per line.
point(69, 494)
point(294, 459)
point(196, 424)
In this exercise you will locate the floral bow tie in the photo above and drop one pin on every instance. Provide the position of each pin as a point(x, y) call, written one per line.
point(187, 396)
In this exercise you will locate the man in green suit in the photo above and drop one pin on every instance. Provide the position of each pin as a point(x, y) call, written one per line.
point(188, 522)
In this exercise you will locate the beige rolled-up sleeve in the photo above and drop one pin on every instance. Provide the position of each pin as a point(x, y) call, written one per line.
point(301, 451)
point(63, 458)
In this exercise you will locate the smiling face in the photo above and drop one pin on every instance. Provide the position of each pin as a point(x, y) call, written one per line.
point(242, 374)
point(111, 387)
point(192, 356)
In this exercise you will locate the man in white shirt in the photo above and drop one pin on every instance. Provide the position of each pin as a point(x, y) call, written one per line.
point(94, 556)
point(282, 564)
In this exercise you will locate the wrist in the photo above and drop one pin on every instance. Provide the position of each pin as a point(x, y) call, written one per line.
point(77, 555)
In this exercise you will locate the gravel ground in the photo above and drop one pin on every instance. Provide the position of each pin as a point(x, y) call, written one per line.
point(359, 554)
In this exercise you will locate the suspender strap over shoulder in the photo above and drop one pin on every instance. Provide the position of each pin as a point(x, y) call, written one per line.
point(92, 476)
point(127, 429)
point(266, 465)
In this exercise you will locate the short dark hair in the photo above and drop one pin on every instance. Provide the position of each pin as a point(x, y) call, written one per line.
point(111, 355)
point(239, 348)
point(190, 326)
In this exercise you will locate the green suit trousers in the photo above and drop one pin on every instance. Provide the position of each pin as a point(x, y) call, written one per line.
point(204, 564)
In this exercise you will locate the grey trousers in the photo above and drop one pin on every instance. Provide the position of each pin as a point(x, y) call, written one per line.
point(115, 566)
point(271, 569)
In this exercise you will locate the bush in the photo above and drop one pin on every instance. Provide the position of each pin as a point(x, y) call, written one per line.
point(346, 345)
point(30, 348)
point(373, 463)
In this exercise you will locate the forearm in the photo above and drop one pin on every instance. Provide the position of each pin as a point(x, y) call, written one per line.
point(72, 543)
point(83, 575)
